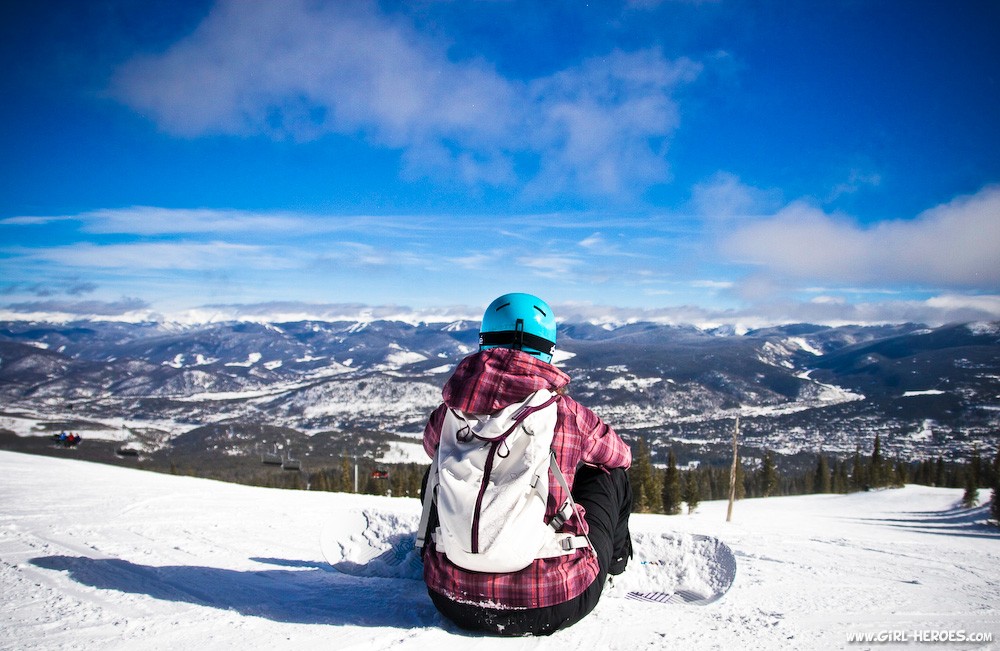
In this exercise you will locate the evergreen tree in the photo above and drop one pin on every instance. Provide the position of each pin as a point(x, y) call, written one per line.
point(822, 483)
point(692, 491)
point(741, 479)
point(859, 478)
point(671, 494)
point(841, 483)
point(925, 475)
point(940, 478)
point(346, 476)
point(643, 479)
point(768, 475)
point(877, 474)
point(970, 497)
point(899, 474)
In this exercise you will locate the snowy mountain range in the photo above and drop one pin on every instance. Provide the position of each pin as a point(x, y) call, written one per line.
point(320, 388)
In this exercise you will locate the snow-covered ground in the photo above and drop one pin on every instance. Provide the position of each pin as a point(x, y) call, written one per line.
point(95, 557)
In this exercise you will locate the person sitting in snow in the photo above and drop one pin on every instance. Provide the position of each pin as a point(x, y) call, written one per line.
point(517, 339)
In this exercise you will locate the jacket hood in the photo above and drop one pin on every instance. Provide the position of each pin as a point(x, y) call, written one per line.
point(490, 380)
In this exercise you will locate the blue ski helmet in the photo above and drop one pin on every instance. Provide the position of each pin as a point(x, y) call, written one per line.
point(522, 322)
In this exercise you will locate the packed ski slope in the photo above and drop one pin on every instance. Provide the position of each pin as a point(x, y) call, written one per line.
point(95, 557)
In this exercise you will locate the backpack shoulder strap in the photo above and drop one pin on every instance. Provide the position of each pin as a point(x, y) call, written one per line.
point(568, 508)
point(429, 492)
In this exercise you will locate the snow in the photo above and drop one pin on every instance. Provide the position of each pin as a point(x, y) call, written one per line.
point(928, 392)
point(404, 357)
point(402, 452)
point(802, 344)
point(559, 356)
point(252, 359)
point(96, 557)
point(633, 384)
point(984, 328)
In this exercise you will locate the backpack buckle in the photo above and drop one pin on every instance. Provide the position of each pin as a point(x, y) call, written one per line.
point(564, 513)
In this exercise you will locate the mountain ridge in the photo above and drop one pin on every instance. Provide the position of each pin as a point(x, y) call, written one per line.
point(798, 387)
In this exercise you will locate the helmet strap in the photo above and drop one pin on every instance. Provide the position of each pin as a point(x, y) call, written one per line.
point(518, 339)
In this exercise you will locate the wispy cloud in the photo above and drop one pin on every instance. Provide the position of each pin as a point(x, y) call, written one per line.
point(856, 180)
point(177, 256)
point(96, 308)
point(559, 266)
point(157, 220)
point(50, 288)
point(300, 70)
point(724, 197)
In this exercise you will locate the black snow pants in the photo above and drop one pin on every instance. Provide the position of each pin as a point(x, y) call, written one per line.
point(607, 497)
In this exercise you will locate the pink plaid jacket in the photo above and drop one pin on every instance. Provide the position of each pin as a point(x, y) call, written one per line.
point(483, 384)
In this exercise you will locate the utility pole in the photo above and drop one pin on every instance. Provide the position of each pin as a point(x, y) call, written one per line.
point(732, 471)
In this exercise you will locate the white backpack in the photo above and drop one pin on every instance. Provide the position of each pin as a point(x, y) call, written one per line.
point(490, 482)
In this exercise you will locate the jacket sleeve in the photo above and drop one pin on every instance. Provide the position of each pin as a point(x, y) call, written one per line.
point(602, 446)
point(432, 431)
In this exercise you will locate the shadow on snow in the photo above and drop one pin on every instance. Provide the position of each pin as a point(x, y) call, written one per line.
point(313, 593)
point(961, 522)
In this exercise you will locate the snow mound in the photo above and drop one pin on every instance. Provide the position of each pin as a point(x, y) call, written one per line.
point(667, 562)
point(373, 543)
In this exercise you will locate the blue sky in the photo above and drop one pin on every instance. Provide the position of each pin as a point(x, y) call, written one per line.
point(685, 161)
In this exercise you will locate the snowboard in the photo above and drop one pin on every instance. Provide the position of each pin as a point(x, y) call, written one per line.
point(370, 543)
point(667, 568)
point(678, 568)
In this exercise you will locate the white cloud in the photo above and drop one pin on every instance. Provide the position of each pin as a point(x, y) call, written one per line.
point(724, 197)
point(300, 70)
point(937, 310)
point(593, 124)
point(712, 284)
point(953, 245)
point(282, 311)
point(985, 304)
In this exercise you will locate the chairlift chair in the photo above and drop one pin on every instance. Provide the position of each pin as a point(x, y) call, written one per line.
point(290, 463)
point(272, 458)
